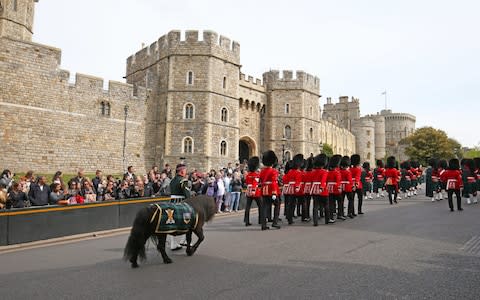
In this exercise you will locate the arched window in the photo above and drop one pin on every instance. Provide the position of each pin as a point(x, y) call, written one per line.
point(368, 145)
point(107, 109)
point(287, 108)
point(190, 78)
point(224, 116)
point(187, 145)
point(288, 155)
point(223, 148)
point(224, 84)
point(368, 156)
point(311, 133)
point(102, 108)
point(14, 5)
point(189, 111)
point(311, 111)
point(288, 132)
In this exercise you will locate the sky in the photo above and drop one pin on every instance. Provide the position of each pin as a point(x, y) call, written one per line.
point(425, 54)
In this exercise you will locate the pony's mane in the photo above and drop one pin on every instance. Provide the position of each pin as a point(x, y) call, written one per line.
point(205, 204)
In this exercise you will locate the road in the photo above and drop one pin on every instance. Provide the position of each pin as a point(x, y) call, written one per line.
point(413, 250)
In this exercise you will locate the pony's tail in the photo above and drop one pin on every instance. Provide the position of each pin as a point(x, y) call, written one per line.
point(135, 245)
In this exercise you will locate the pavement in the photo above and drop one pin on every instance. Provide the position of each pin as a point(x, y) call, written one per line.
point(412, 250)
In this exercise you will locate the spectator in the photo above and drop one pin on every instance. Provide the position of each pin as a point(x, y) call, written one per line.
point(100, 190)
point(197, 183)
point(88, 192)
point(3, 196)
point(168, 171)
point(219, 192)
point(164, 184)
point(6, 179)
point(109, 192)
point(236, 191)
point(57, 178)
point(29, 179)
point(80, 178)
point(152, 175)
point(73, 193)
point(123, 192)
point(56, 194)
point(227, 180)
point(97, 179)
point(130, 175)
point(39, 193)
point(141, 190)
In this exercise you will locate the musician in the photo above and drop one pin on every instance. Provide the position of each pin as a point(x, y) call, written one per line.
point(357, 187)
point(252, 178)
point(453, 182)
point(334, 179)
point(319, 189)
point(270, 189)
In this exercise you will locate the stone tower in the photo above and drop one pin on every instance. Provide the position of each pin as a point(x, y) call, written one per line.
point(292, 114)
point(16, 19)
point(364, 131)
point(192, 112)
point(344, 111)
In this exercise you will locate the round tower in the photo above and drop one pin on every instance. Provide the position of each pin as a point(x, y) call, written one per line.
point(16, 19)
point(379, 136)
point(364, 131)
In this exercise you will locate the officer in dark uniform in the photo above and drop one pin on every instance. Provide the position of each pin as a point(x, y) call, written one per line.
point(180, 190)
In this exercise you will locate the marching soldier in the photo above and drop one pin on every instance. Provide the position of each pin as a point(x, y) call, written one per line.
point(180, 190)
point(253, 192)
point(367, 179)
point(346, 187)
point(269, 185)
point(379, 179)
point(288, 191)
point(334, 187)
point(356, 171)
point(319, 189)
point(306, 187)
point(453, 182)
point(392, 175)
point(295, 177)
point(469, 181)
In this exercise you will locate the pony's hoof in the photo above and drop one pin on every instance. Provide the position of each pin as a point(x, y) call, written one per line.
point(190, 252)
point(167, 261)
point(134, 265)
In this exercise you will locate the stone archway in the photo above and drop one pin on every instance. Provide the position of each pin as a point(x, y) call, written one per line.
point(246, 148)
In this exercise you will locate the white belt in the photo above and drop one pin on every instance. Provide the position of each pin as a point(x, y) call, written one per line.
point(177, 197)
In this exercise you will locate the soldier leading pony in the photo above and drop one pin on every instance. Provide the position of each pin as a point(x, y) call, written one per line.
point(158, 220)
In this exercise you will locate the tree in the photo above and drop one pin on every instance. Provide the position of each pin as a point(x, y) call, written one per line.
point(327, 149)
point(428, 142)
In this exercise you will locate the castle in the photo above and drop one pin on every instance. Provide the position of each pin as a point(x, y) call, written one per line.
point(185, 99)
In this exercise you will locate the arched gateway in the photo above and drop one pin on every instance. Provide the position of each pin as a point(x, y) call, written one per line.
point(246, 148)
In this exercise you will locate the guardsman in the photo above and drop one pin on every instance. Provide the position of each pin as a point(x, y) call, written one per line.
point(405, 178)
point(252, 178)
point(288, 191)
point(296, 184)
point(269, 186)
point(319, 189)
point(392, 176)
point(306, 189)
point(430, 185)
point(334, 187)
point(379, 179)
point(346, 185)
point(414, 170)
point(453, 182)
point(367, 179)
point(357, 188)
point(180, 190)
point(469, 181)
point(442, 167)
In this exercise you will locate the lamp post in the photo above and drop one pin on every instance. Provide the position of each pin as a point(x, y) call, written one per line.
point(283, 150)
point(125, 109)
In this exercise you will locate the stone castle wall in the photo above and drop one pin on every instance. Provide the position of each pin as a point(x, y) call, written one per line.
point(364, 131)
point(50, 124)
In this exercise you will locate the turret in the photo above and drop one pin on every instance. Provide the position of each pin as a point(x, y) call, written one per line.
point(16, 19)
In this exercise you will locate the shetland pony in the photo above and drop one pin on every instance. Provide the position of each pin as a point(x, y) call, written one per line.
point(145, 226)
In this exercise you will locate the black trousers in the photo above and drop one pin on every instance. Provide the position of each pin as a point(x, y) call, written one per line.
point(320, 204)
point(299, 201)
point(392, 193)
point(276, 209)
point(267, 204)
point(290, 202)
point(359, 194)
point(246, 217)
point(306, 207)
point(332, 202)
point(450, 198)
point(350, 197)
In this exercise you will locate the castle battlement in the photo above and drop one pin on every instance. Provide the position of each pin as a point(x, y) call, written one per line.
point(302, 80)
point(211, 44)
point(251, 79)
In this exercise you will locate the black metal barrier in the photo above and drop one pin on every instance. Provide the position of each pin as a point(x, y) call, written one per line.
point(45, 222)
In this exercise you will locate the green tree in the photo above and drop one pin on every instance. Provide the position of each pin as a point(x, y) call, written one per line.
point(327, 149)
point(427, 142)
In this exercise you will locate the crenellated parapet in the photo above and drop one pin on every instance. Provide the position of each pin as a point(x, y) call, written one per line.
point(302, 81)
point(251, 82)
point(172, 43)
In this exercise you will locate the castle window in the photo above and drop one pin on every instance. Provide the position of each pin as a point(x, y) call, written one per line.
point(187, 145)
point(288, 155)
point(287, 108)
point(102, 108)
point(311, 133)
point(190, 78)
point(288, 132)
point(223, 148)
point(368, 155)
point(107, 109)
point(311, 111)
point(368, 132)
point(224, 84)
point(189, 111)
point(14, 5)
point(368, 144)
point(224, 116)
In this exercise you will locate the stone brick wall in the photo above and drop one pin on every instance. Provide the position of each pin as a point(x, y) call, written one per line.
point(50, 124)
point(16, 19)
point(364, 131)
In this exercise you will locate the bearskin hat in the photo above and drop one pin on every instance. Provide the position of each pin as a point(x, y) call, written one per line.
point(443, 164)
point(463, 161)
point(253, 163)
point(379, 163)
point(320, 161)
point(345, 162)
point(391, 162)
point(355, 159)
point(366, 166)
point(406, 165)
point(453, 164)
point(309, 163)
point(297, 161)
point(414, 164)
point(476, 160)
point(334, 161)
point(269, 158)
point(432, 162)
point(288, 166)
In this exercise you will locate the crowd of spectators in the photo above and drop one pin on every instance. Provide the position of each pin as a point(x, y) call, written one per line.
point(224, 185)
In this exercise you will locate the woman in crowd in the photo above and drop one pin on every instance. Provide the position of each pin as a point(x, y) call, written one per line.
point(88, 192)
point(109, 192)
point(56, 194)
point(220, 192)
point(236, 187)
point(16, 198)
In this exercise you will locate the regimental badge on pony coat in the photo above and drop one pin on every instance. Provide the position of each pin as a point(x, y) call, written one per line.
point(174, 218)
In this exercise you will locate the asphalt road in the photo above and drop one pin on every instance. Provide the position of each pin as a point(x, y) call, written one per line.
point(413, 250)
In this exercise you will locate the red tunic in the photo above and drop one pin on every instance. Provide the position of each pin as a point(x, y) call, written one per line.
point(392, 174)
point(356, 177)
point(251, 180)
point(269, 181)
point(295, 177)
point(334, 179)
point(347, 183)
point(452, 179)
point(286, 182)
point(307, 183)
point(319, 182)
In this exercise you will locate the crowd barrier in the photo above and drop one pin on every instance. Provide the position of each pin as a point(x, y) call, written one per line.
point(52, 221)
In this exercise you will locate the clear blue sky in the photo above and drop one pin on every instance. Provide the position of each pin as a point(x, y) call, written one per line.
point(426, 54)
